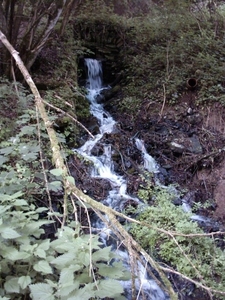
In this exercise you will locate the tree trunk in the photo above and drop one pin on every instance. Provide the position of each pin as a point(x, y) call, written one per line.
point(29, 32)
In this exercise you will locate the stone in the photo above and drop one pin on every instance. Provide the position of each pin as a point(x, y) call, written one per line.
point(186, 144)
point(177, 147)
point(194, 119)
point(195, 145)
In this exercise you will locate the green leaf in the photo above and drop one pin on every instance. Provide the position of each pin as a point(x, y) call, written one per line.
point(63, 260)
point(40, 253)
point(43, 267)
point(55, 186)
point(109, 288)
point(20, 202)
point(102, 254)
point(66, 275)
point(28, 130)
point(41, 291)
point(41, 209)
point(7, 150)
point(4, 208)
point(84, 258)
point(56, 172)
point(3, 159)
point(84, 293)
point(52, 283)
point(34, 227)
point(16, 195)
point(120, 297)
point(115, 271)
point(44, 244)
point(13, 254)
point(12, 286)
point(24, 281)
point(29, 156)
point(71, 179)
point(9, 233)
point(66, 289)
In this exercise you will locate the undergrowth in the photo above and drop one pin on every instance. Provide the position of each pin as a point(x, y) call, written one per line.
point(159, 52)
point(41, 257)
point(171, 46)
point(182, 243)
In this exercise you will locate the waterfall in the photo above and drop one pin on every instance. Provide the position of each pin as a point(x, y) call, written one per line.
point(94, 70)
point(149, 162)
point(103, 168)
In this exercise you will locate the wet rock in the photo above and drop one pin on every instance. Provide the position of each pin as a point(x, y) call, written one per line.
point(97, 188)
point(189, 198)
point(127, 164)
point(177, 201)
point(107, 94)
point(92, 125)
point(189, 111)
point(162, 175)
point(195, 146)
point(162, 130)
point(194, 119)
point(97, 150)
point(207, 224)
point(176, 146)
point(186, 144)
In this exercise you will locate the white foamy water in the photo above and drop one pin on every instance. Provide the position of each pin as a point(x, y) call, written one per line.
point(149, 162)
point(103, 168)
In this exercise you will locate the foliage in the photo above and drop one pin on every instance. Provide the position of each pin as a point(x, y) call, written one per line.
point(56, 74)
point(193, 256)
point(170, 50)
point(163, 49)
point(70, 266)
point(14, 99)
point(129, 103)
point(61, 269)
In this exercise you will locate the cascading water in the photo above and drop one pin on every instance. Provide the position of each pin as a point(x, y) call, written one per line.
point(103, 168)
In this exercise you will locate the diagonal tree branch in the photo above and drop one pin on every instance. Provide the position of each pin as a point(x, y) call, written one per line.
point(131, 245)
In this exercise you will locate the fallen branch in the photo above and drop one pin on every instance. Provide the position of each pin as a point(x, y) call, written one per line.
point(71, 188)
point(205, 156)
point(132, 246)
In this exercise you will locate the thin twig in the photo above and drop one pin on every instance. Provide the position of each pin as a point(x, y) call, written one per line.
point(68, 115)
point(164, 101)
point(14, 80)
point(198, 284)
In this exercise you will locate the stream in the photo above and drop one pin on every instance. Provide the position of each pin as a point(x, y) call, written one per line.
point(103, 168)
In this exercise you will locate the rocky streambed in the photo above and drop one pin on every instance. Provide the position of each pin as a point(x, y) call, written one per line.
point(186, 140)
